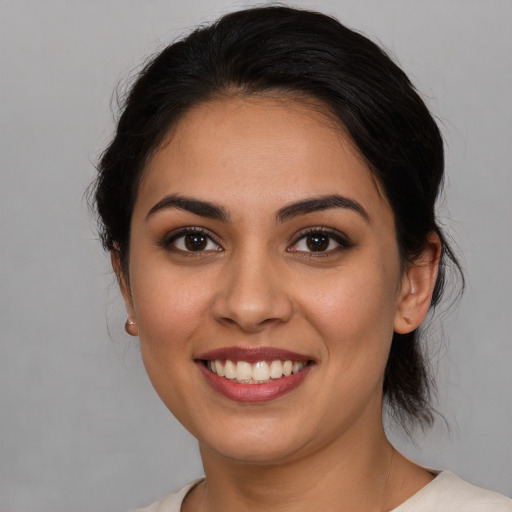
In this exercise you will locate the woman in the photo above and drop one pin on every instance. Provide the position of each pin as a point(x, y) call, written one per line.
point(268, 201)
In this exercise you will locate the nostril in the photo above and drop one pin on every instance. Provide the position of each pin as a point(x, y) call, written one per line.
point(251, 299)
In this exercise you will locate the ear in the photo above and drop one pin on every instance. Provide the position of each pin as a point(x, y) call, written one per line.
point(418, 284)
point(122, 280)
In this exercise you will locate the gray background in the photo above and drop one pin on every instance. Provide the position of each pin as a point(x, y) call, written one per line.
point(80, 427)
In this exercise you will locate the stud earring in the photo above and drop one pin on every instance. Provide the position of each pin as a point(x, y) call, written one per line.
point(128, 327)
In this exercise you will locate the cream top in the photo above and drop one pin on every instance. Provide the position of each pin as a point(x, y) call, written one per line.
point(446, 493)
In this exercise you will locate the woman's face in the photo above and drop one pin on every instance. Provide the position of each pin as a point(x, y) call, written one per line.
point(260, 242)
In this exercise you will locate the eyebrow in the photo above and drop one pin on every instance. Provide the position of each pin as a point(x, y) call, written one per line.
point(317, 204)
point(217, 212)
point(196, 206)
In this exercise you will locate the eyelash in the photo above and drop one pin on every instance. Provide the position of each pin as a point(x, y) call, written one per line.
point(169, 242)
point(332, 235)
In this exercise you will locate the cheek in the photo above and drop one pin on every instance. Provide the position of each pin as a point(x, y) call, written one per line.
point(354, 309)
point(354, 317)
point(169, 308)
point(170, 312)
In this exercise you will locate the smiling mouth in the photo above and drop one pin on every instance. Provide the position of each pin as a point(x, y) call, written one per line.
point(259, 372)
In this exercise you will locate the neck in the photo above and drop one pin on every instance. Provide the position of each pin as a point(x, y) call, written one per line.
point(350, 474)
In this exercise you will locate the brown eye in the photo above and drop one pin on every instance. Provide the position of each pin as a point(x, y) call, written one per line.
point(195, 241)
point(192, 240)
point(321, 242)
point(317, 242)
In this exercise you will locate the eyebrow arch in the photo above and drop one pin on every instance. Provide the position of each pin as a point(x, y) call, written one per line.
point(196, 206)
point(316, 204)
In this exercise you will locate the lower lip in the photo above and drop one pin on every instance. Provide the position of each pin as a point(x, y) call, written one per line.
point(254, 393)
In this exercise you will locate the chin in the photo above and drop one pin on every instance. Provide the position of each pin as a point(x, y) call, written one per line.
point(256, 455)
point(260, 445)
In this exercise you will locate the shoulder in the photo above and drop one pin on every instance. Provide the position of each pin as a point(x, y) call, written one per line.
point(171, 502)
point(446, 493)
point(449, 493)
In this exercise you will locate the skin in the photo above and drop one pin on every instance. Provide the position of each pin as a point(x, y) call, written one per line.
point(257, 283)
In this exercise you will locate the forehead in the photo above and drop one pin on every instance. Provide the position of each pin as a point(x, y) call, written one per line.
point(258, 152)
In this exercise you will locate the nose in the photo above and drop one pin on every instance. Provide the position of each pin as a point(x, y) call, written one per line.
point(252, 295)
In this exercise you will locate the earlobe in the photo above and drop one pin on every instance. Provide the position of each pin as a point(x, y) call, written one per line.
point(418, 284)
point(130, 324)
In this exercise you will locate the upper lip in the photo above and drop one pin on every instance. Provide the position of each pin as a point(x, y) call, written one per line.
point(253, 354)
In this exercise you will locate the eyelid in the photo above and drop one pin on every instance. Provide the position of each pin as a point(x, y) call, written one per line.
point(339, 237)
point(169, 238)
point(336, 235)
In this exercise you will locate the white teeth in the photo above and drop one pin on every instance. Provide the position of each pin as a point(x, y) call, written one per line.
point(259, 372)
point(220, 369)
point(243, 371)
point(276, 369)
point(229, 370)
point(297, 367)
